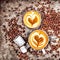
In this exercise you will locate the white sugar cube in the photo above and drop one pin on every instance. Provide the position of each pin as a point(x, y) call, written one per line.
point(19, 41)
point(23, 49)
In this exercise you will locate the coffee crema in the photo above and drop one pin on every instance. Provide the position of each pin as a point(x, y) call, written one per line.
point(32, 19)
point(38, 39)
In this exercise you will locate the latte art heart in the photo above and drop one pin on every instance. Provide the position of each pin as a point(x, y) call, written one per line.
point(32, 21)
point(38, 39)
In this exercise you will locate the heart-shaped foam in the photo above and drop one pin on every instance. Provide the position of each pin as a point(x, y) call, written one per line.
point(38, 39)
point(33, 21)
